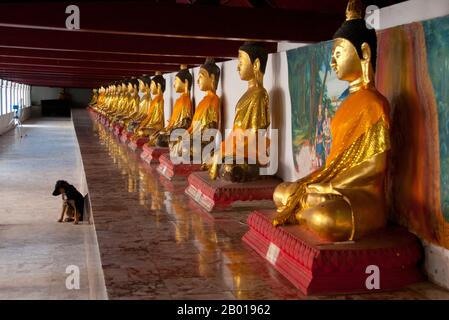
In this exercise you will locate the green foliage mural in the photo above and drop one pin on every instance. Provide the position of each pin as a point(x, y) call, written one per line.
point(315, 94)
point(437, 45)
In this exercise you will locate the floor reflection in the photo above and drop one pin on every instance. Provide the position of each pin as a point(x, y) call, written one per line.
point(197, 254)
point(158, 244)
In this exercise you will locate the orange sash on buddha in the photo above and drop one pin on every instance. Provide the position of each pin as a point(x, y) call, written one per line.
point(181, 110)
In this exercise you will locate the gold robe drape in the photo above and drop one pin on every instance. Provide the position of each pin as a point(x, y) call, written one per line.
point(355, 168)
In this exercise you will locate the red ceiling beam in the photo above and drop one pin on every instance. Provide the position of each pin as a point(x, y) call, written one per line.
point(110, 43)
point(97, 57)
point(183, 21)
point(74, 70)
point(51, 76)
point(62, 83)
point(132, 67)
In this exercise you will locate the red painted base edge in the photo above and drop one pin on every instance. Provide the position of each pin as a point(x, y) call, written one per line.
point(151, 154)
point(169, 170)
point(137, 144)
point(316, 266)
point(220, 193)
point(126, 137)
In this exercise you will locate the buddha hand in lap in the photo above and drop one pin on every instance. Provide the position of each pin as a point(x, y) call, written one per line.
point(344, 200)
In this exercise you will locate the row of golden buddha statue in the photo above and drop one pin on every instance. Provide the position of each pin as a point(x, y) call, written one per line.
point(344, 200)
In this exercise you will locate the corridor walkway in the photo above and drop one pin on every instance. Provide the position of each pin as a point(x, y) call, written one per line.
point(35, 250)
point(156, 243)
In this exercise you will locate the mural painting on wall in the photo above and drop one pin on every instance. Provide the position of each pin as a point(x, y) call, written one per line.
point(413, 73)
point(315, 93)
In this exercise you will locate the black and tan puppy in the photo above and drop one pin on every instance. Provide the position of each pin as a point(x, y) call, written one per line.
point(73, 202)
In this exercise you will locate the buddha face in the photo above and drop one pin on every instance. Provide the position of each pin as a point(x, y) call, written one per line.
point(141, 85)
point(345, 60)
point(245, 66)
point(206, 82)
point(179, 86)
point(154, 88)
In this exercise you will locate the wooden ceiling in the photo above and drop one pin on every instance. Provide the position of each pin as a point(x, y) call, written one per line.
point(131, 38)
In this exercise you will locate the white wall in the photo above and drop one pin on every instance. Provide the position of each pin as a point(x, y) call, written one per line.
point(5, 120)
point(412, 11)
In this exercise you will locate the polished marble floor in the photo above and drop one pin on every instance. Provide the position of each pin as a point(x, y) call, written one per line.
point(35, 250)
point(155, 243)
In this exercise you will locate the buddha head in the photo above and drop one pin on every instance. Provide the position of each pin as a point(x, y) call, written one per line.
point(157, 85)
point(183, 80)
point(132, 85)
point(209, 75)
point(144, 83)
point(252, 61)
point(354, 50)
point(124, 88)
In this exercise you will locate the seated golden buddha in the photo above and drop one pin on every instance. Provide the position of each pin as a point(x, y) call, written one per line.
point(344, 200)
point(181, 116)
point(130, 104)
point(100, 99)
point(251, 116)
point(144, 104)
point(118, 105)
point(111, 97)
point(117, 100)
point(207, 113)
point(136, 108)
point(154, 120)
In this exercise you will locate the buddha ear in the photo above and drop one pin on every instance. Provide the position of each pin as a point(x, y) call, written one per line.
point(366, 52)
point(366, 64)
point(256, 65)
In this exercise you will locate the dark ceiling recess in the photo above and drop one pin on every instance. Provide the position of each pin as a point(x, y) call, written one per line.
point(121, 39)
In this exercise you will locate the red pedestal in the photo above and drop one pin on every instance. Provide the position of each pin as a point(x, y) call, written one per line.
point(126, 136)
point(220, 193)
point(316, 266)
point(169, 170)
point(151, 154)
point(137, 144)
point(118, 130)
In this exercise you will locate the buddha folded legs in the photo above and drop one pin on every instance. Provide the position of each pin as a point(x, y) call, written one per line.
point(345, 200)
